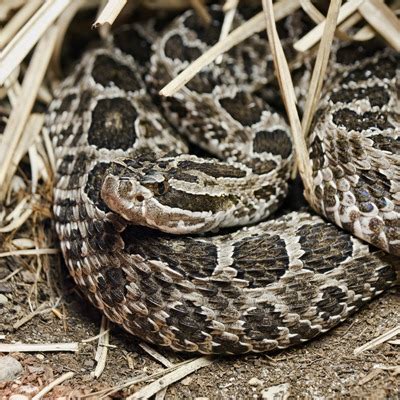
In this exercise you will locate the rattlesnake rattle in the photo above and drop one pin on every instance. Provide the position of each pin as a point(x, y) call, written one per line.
point(266, 286)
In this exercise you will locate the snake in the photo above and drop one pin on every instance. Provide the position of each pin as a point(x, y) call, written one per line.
point(164, 206)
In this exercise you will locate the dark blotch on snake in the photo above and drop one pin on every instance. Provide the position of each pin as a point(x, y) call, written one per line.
point(82, 160)
point(130, 41)
point(323, 242)
point(95, 180)
point(384, 68)
point(276, 142)
point(66, 103)
point(176, 49)
point(216, 170)
point(84, 102)
point(106, 71)
point(65, 213)
point(243, 108)
point(65, 164)
point(353, 52)
point(207, 33)
point(111, 282)
point(194, 202)
point(377, 95)
point(113, 124)
point(189, 257)
point(349, 119)
point(387, 143)
point(260, 271)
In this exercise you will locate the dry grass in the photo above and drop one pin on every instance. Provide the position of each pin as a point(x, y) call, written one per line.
point(31, 42)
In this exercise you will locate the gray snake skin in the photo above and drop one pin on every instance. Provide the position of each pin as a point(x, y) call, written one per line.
point(127, 189)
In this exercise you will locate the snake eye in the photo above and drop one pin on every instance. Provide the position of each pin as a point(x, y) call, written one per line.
point(140, 197)
point(162, 187)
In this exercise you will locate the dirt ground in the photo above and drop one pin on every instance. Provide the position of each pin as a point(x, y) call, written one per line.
point(323, 368)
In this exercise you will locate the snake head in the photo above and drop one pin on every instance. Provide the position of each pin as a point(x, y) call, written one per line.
point(151, 198)
point(133, 197)
point(139, 200)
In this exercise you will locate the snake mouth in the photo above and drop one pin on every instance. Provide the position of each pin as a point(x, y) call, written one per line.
point(126, 198)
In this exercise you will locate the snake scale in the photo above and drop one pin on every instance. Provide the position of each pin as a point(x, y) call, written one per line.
point(137, 215)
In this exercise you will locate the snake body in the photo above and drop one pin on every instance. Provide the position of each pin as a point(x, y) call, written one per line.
point(126, 190)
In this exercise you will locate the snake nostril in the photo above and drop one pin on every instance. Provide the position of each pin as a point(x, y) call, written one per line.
point(140, 197)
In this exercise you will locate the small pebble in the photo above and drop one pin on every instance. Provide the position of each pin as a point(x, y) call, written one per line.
point(40, 357)
point(187, 381)
point(89, 363)
point(35, 370)
point(28, 389)
point(28, 276)
point(5, 287)
point(3, 299)
point(255, 382)
point(278, 392)
point(4, 272)
point(18, 397)
point(10, 368)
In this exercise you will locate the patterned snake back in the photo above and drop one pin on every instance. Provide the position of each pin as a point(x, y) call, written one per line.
point(126, 189)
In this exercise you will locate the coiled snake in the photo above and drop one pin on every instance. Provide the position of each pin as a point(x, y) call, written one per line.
point(126, 189)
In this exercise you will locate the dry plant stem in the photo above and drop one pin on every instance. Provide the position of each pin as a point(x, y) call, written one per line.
point(156, 355)
point(44, 95)
point(18, 209)
point(7, 6)
point(38, 347)
point(313, 36)
point(363, 34)
point(161, 394)
point(379, 340)
point(92, 339)
point(312, 11)
point(28, 36)
point(321, 64)
point(12, 87)
point(102, 347)
point(318, 17)
point(383, 20)
point(18, 20)
point(9, 276)
point(253, 25)
point(19, 115)
point(227, 24)
point(166, 4)
point(30, 133)
point(170, 378)
point(28, 252)
point(201, 11)
point(102, 394)
point(288, 94)
point(52, 385)
point(371, 375)
point(110, 13)
point(161, 359)
point(41, 309)
point(229, 5)
point(49, 150)
point(16, 223)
